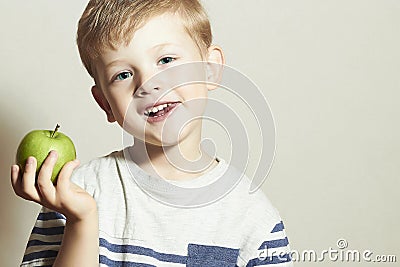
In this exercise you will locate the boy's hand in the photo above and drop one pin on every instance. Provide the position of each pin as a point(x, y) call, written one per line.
point(65, 197)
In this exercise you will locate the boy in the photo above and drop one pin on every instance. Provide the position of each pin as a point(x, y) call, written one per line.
point(116, 210)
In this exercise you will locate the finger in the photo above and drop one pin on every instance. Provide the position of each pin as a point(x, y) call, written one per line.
point(15, 181)
point(63, 181)
point(46, 187)
point(19, 180)
point(28, 187)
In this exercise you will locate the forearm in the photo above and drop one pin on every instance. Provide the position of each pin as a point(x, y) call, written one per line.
point(80, 245)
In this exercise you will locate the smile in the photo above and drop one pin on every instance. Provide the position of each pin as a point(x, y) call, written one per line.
point(160, 111)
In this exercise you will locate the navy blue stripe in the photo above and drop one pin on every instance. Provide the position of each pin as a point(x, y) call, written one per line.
point(142, 251)
point(277, 243)
point(278, 227)
point(41, 243)
point(50, 216)
point(48, 231)
point(202, 255)
point(110, 263)
point(40, 255)
point(269, 260)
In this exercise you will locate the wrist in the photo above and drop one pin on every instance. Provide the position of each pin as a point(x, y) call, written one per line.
point(89, 217)
point(86, 227)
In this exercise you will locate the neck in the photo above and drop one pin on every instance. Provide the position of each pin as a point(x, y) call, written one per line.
point(177, 162)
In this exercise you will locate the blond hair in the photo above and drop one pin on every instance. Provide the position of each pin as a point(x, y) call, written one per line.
point(107, 24)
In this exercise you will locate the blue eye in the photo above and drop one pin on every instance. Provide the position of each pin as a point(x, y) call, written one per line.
point(166, 60)
point(123, 76)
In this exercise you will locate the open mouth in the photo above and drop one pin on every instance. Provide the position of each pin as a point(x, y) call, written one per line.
point(160, 110)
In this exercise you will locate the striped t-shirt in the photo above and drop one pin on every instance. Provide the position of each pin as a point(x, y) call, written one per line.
point(137, 229)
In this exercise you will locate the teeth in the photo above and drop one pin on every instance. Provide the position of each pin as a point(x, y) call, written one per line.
point(156, 109)
point(161, 107)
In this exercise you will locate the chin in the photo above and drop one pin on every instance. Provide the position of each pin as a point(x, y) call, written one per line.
point(171, 137)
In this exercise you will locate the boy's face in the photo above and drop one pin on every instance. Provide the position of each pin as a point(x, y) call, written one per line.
point(127, 84)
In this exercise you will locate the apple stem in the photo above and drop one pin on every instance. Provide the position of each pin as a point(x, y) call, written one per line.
point(55, 130)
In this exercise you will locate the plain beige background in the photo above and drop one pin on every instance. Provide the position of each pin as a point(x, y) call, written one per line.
point(329, 69)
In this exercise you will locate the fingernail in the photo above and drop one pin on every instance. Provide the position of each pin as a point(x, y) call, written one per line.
point(14, 168)
point(29, 161)
point(53, 154)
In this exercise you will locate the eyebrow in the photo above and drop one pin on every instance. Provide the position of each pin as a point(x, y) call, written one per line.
point(115, 62)
point(162, 45)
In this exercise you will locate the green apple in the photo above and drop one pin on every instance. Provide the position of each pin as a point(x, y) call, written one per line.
point(39, 143)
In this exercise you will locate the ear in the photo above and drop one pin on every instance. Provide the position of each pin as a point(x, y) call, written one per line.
point(215, 65)
point(102, 102)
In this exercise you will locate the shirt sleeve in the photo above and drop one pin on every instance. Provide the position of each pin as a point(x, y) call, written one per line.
point(45, 239)
point(273, 251)
point(265, 242)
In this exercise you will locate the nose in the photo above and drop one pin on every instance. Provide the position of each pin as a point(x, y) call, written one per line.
point(150, 82)
point(148, 87)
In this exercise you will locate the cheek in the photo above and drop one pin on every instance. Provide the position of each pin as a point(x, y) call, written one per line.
point(193, 91)
point(194, 101)
point(123, 109)
point(131, 121)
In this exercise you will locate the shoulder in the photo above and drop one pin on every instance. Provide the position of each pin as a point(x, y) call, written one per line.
point(260, 213)
point(254, 205)
point(87, 174)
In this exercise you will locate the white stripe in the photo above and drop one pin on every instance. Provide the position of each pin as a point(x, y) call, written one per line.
point(277, 235)
point(35, 262)
point(33, 249)
point(50, 223)
point(46, 238)
point(136, 258)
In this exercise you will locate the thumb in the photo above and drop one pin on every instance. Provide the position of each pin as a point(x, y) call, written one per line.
point(64, 177)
